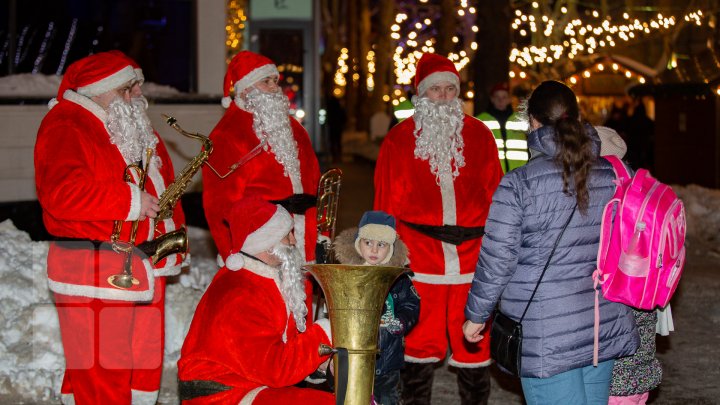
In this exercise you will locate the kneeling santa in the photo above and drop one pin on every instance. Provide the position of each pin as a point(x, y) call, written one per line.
point(249, 341)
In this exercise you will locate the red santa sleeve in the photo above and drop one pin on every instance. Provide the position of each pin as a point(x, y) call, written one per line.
point(262, 356)
point(68, 186)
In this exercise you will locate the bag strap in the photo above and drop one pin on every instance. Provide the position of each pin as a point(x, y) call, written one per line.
point(547, 264)
point(621, 172)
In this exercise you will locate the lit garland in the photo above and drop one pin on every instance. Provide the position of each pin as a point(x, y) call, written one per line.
point(580, 38)
point(342, 69)
point(601, 67)
point(234, 27)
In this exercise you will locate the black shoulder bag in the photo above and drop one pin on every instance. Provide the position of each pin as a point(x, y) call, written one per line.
point(506, 333)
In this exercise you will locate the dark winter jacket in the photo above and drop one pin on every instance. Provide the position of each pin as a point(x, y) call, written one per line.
point(405, 300)
point(528, 211)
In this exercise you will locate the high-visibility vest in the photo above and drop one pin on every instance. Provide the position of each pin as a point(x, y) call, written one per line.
point(512, 148)
point(403, 110)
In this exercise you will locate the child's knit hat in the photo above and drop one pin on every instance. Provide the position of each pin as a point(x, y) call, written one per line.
point(379, 226)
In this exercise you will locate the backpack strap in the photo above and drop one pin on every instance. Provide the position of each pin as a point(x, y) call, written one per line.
point(621, 171)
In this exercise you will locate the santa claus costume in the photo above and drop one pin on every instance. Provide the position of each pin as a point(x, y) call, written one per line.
point(272, 172)
point(244, 345)
point(441, 202)
point(112, 337)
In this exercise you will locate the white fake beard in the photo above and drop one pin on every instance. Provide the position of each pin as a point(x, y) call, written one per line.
point(125, 133)
point(271, 123)
point(438, 136)
point(144, 126)
point(292, 282)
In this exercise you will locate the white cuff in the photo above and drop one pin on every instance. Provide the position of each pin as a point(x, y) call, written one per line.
point(135, 202)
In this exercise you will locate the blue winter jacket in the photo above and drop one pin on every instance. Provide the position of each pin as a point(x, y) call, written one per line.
point(527, 213)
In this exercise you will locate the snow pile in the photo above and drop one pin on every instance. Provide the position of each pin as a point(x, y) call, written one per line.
point(39, 85)
point(31, 356)
point(702, 210)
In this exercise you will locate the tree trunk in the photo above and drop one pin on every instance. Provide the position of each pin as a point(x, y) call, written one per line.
point(383, 61)
point(446, 27)
point(492, 58)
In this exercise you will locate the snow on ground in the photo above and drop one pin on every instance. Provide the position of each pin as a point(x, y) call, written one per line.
point(39, 85)
point(31, 359)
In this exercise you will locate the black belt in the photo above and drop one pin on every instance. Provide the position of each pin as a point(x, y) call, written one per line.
point(297, 203)
point(82, 243)
point(453, 234)
point(200, 388)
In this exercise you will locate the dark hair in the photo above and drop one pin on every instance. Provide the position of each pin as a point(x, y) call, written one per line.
point(554, 104)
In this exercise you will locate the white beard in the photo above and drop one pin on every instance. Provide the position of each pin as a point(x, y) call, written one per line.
point(438, 136)
point(130, 129)
point(271, 123)
point(292, 282)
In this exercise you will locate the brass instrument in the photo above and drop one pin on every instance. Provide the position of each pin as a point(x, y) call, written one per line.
point(327, 207)
point(125, 279)
point(355, 297)
point(169, 198)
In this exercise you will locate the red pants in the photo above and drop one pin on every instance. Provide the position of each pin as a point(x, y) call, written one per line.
point(113, 349)
point(442, 314)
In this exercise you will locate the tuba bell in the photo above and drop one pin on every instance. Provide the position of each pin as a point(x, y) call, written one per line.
point(355, 296)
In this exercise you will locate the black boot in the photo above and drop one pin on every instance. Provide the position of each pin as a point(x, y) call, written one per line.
point(473, 385)
point(416, 383)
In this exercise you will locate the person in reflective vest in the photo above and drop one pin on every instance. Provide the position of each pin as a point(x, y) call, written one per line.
point(507, 127)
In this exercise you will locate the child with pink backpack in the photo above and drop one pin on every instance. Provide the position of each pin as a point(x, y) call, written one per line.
point(635, 376)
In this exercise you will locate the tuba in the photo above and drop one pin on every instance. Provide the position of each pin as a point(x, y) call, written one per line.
point(355, 297)
point(327, 207)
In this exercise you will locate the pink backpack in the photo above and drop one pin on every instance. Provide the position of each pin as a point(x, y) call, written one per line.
point(642, 241)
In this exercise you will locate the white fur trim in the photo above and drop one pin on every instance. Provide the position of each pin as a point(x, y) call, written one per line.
point(67, 399)
point(135, 202)
point(112, 82)
point(455, 363)
point(144, 397)
point(262, 270)
point(87, 104)
point(253, 76)
point(437, 77)
point(225, 102)
point(411, 359)
point(235, 262)
point(219, 260)
point(443, 278)
point(268, 235)
point(380, 232)
point(107, 293)
point(52, 103)
point(170, 269)
point(449, 207)
point(250, 396)
point(324, 323)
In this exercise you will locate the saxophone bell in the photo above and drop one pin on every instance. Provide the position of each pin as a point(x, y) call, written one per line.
point(165, 245)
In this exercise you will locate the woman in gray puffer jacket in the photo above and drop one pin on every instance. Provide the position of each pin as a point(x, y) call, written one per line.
point(528, 211)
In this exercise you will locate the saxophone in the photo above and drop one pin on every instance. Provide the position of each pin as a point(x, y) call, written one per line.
point(175, 241)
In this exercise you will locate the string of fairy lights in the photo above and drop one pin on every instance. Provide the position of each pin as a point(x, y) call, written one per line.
point(568, 34)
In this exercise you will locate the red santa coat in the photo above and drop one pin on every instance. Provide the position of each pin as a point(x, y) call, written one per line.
point(79, 175)
point(243, 336)
point(233, 137)
point(405, 188)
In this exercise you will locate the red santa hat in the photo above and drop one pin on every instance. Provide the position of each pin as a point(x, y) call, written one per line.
point(138, 71)
point(502, 86)
point(244, 70)
point(255, 226)
point(432, 69)
point(95, 75)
